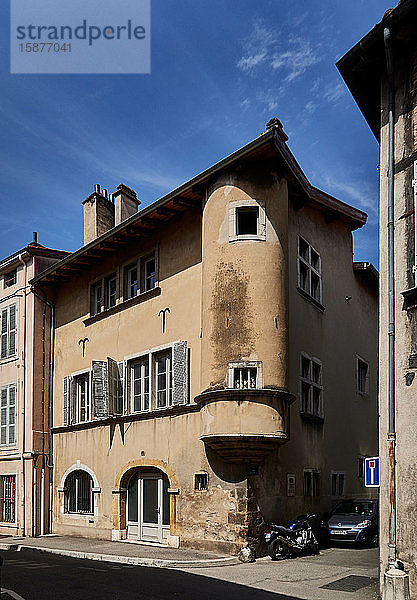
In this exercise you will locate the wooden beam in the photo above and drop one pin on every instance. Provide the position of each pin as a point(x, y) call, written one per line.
point(163, 210)
point(187, 202)
point(150, 222)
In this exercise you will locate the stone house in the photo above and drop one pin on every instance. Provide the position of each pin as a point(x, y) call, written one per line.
point(25, 320)
point(365, 71)
point(214, 357)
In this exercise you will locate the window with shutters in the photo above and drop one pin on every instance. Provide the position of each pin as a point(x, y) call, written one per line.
point(309, 270)
point(8, 498)
point(140, 385)
point(82, 397)
point(8, 415)
point(8, 331)
point(79, 493)
point(158, 378)
point(163, 378)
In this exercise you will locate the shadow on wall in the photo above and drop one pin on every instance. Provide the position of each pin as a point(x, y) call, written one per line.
point(179, 244)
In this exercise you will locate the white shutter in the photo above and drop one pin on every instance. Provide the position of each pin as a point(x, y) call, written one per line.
point(100, 389)
point(179, 373)
point(65, 400)
point(12, 414)
point(4, 330)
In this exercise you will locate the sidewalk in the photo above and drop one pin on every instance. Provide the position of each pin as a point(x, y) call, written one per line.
point(118, 552)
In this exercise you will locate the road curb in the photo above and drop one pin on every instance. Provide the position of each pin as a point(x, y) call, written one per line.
point(128, 560)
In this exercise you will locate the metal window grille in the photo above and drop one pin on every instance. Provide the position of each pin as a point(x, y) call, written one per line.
point(79, 493)
point(8, 498)
point(244, 377)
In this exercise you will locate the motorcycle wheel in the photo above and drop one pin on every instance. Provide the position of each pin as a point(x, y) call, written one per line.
point(277, 550)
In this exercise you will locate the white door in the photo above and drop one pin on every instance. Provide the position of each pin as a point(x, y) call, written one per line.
point(148, 508)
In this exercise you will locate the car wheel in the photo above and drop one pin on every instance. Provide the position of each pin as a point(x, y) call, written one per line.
point(277, 550)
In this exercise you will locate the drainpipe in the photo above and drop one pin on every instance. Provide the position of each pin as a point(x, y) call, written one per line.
point(50, 414)
point(24, 400)
point(396, 585)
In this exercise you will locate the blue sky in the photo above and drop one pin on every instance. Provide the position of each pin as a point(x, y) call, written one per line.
point(220, 71)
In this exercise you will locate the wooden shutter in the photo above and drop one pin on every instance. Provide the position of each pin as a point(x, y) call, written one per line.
point(65, 400)
point(100, 389)
point(120, 388)
point(179, 373)
point(4, 329)
point(113, 376)
point(12, 330)
point(3, 413)
point(126, 387)
point(72, 400)
point(12, 414)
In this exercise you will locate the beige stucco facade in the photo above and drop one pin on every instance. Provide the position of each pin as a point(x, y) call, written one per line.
point(24, 383)
point(235, 299)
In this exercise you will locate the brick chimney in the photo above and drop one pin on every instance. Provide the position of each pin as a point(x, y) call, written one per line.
point(125, 203)
point(98, 215)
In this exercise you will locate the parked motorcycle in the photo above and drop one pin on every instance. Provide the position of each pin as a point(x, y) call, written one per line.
point(295, 540)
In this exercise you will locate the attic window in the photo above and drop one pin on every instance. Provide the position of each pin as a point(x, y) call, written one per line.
point(10, 278)
point(247, 220)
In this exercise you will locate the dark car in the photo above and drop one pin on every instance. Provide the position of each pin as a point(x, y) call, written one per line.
point(354, 521)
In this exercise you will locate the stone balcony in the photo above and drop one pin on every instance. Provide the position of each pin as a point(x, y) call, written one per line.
point(244, 425)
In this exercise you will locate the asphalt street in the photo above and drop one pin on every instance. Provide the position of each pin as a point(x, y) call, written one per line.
point(40, 576)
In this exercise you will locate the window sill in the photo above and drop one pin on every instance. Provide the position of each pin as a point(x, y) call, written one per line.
point(310, 299)
point(311, 417)
point(156, 291)
point(139, 416)
point(247, 238)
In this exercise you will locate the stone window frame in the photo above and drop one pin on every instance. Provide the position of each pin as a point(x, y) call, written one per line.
point(260, 236)
point(95, 490)
point(359, 359)
point(245, 364)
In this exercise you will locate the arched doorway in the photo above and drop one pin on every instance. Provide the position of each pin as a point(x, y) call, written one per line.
point(148, 506)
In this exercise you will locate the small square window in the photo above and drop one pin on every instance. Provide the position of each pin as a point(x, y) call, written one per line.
point(244, 378)
point(200, 481)
point(10, 278)
point(247, 220)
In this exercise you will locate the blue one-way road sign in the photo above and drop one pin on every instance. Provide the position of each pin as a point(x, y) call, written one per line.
point(372, 472)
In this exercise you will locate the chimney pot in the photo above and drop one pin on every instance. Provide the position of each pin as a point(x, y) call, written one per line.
point(35, 237)
point(104, 193)
point(97, 188)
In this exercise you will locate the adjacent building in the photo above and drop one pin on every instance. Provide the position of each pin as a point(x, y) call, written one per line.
point(214, 357)
point(25, 318)
point(372, 69)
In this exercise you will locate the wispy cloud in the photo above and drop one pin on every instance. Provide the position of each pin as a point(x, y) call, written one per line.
point(334, 91)
point(292, 54)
